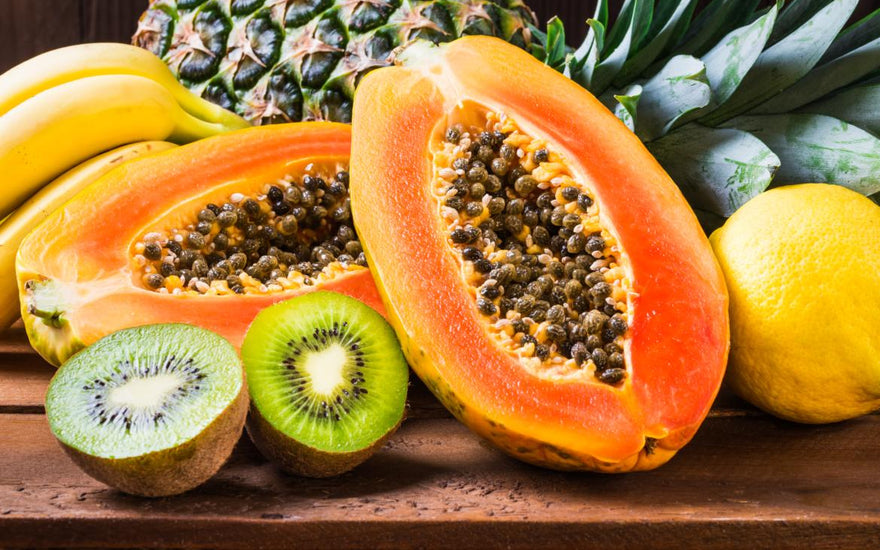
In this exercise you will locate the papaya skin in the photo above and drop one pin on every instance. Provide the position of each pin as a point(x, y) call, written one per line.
point(80, 257)
point(678, 337)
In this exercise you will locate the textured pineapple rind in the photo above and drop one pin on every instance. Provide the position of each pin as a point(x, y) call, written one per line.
point(311, 64)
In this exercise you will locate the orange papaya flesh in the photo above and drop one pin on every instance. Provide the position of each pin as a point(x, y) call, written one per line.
point(106, 259)
point(558, 408)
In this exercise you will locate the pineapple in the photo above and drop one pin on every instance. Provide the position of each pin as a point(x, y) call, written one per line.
point(734, 98)
point(289, 60)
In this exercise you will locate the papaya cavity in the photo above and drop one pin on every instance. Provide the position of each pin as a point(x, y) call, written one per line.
point(547, 277)
point(290, 233)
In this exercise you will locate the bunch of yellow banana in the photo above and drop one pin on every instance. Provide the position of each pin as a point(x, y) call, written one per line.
point(59, 111)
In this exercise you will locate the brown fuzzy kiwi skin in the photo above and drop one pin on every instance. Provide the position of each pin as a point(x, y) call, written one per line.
point(296, 458)
point(172, 471)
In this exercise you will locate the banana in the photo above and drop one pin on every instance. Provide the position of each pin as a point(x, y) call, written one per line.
point(65, 65)
point(65, 125)
point(18, 224)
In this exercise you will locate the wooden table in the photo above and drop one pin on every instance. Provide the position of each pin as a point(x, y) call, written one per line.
point(746, 481)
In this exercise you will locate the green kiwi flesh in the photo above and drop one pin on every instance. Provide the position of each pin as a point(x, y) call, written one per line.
point(153, 410)
point(328, 383)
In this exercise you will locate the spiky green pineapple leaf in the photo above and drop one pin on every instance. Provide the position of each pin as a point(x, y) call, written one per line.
point(554, 45)
point(717, 169)
point(823, 80)
point(730, 60)
point(626, 105)
point(849, 106)
point(581, 66)
point(818, 148)
point(668, 25)
point(601, 12)
point(620, 40)
point(538, 47)
point(581, 63)
point(852, 56)
point(713, 23)
point(632, 24)
point(855, 36)
point(796, 14)
point(678, 89)
point(785, 62)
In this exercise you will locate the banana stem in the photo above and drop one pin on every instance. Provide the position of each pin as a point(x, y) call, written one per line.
point(205, 110)
point(189, 128)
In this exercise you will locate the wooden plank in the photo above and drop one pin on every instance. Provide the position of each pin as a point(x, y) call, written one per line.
point(24, 376)
point(14, 340)
point(743, 482)
point(23, 381)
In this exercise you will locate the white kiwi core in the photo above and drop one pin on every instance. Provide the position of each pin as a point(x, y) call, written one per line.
point(143, 393)
point(325, 368)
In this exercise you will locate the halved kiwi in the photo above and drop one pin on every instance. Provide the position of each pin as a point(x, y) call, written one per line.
point(328, 383)
point(152, 410)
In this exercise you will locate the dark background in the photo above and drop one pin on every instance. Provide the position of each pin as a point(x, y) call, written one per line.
point(28, 27)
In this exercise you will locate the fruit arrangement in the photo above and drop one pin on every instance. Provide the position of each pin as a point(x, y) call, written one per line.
point(521, 222)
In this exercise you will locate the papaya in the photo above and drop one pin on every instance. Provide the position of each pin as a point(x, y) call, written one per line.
point(209, 235)
point(546, 278)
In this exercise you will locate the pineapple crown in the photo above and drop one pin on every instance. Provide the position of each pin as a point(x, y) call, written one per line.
point(734, 98)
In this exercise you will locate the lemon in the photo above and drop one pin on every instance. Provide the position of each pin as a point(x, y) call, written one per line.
point(802, 265)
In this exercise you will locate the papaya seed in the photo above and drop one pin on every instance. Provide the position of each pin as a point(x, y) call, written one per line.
point(486, 307)
point(569, 193)
point(499, 166)
point(584, 201)
point(525, 184)
point(579, 353)
point(477, 174)
point(453, 134)
point(154, 280)
point(474, 209)
point(611, 376)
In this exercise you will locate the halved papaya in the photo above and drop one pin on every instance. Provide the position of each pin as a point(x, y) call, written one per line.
point(208, 234)
point(547, 279)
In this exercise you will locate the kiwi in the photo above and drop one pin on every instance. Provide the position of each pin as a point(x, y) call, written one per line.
point(328, 383)
point(153, 410)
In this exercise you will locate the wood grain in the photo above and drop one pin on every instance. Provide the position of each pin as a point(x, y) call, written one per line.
point(770, 483)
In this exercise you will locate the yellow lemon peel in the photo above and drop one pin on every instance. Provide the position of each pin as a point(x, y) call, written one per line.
point(802, 265)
